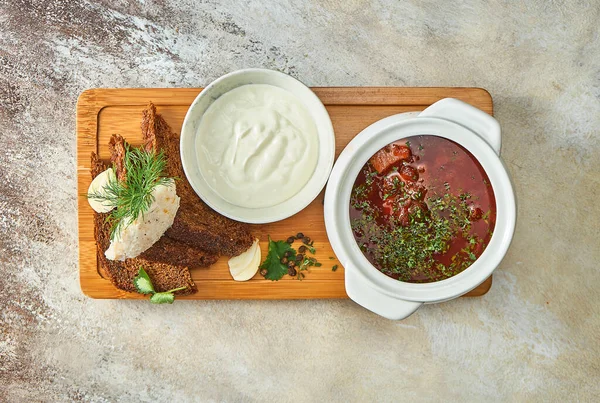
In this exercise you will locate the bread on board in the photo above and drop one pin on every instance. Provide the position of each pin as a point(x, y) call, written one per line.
point(197, 237)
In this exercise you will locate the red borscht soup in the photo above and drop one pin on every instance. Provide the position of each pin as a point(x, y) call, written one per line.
point(422, 209)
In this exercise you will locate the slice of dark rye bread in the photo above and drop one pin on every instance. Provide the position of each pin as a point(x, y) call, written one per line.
point(195, 223)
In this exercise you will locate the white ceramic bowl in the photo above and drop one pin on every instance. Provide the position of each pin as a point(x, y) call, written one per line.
point(326, 145)
point(470, 127)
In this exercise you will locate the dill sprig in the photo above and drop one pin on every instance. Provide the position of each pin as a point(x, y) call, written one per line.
point(133, 197)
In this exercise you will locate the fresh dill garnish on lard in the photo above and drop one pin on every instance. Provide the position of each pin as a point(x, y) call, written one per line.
point(133, 197)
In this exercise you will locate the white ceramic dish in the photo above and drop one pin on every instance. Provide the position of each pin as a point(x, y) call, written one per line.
point(326, 145)
point(462, 123)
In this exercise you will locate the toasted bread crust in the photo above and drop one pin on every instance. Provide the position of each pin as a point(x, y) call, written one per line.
point(116, 145)
point(166, 250)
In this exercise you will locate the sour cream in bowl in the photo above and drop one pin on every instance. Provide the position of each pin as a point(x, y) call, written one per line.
point(257, 145)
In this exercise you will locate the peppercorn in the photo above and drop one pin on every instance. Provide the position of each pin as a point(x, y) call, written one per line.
point(284, 260)
point(306, 240)
point(302, 249)
point(291, 264)
point(291, 240)
point(299, 257)
point(299, 235)
point(287, 253)
point(292, 272)
point(264, 272)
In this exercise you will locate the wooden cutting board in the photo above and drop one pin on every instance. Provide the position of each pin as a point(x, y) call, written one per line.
point(102, 112)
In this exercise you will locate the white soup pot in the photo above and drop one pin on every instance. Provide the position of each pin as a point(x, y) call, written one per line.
point(452, 119)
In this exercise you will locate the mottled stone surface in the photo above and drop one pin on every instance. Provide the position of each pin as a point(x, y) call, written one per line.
point(535, 336)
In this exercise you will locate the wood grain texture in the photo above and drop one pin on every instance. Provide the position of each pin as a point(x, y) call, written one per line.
point(102, 112)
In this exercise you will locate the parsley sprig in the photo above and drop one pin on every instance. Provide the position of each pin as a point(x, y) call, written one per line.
point(283, 259)
point(133, 197)
point(144, 285)
point(277, 249)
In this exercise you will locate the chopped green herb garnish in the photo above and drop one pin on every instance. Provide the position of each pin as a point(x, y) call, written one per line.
point(310, 248)
point(405, 250)
point(334, 268)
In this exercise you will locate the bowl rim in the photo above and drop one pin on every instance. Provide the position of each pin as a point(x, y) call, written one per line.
point(306, 194)
point(343, 175)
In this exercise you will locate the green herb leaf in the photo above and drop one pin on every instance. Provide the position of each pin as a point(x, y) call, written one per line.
point(142, 282)
point(162, 298)
point(310, 249)
point(275, 269)
point(334, 268)
point(143, 285)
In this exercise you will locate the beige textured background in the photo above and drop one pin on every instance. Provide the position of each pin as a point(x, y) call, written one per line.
point(534, 337)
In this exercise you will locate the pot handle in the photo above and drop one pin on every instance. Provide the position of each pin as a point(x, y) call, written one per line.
point(468, 116)
point(363, 294)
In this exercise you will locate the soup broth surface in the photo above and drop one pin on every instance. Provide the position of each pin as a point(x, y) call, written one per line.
point(422, 209)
